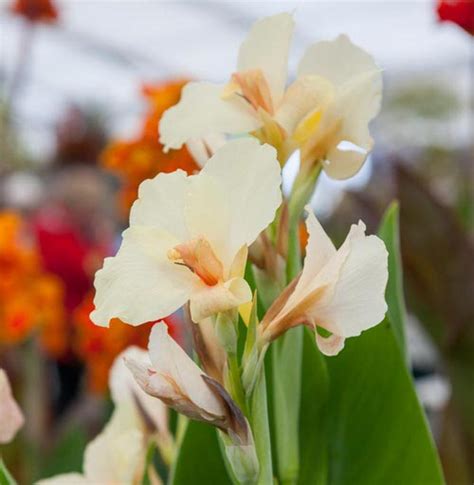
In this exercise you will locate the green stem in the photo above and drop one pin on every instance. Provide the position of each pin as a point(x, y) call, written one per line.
point(261, 430)
point(236, 387)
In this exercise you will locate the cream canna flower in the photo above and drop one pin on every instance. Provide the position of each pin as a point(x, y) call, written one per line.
point(341, 291)
point(336, 94)
point(188, 238)
point(174, 378)
point(11, 417)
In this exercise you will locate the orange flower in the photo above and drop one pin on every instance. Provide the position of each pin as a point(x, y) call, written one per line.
point(35, 10)
point(30, 299)
point(98, 346)
point(142, 157)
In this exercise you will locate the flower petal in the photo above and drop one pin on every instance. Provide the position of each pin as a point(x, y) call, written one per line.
point(266, 47)
point(11, 417)
point(160, 203)
point(202, 111)
point(117, 454)
point(171, 361)
point(125, 389)
point(331, 345)
point(360, 273)
point(343, 164)
point(140, 284)
point(249, 176)
point(338, 60)
point(302, 97)
point(219, 298)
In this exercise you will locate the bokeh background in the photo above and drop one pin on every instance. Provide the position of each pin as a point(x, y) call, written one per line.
point(83, 84)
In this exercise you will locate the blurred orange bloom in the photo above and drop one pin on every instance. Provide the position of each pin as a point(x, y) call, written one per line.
point(35, 10)
point(141, 158)
point(98, 347)
point(30, 299)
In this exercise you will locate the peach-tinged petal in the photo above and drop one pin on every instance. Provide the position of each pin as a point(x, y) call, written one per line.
point(125, 389)
point(202, 149)
point(160, 203)
point(249, 175)
point(357, 301)
point(219, 298)
point(170, 362)
point(202, 110)
point(266, 47)
point(337, 60)
point(331, 345)
point(11, 417)
point(140, 284)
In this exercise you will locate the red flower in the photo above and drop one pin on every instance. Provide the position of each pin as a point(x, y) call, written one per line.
point(460, 12)
point(35, 10)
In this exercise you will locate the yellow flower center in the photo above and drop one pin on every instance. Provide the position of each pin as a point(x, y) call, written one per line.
point(199, 257)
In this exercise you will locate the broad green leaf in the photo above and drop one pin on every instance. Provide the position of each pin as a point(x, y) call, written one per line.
point(199, 459)
point(313, 418)
point(389, 232)
point(5, 476)
point(377, 433)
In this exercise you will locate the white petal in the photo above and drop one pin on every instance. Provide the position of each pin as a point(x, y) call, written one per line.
point(140, 284)
point(331, 345)
point(338, 60)
point(11, 417)
point(202, 111)
point(266, 47)
point(219, 298)
point(249, 175)
point(201, 149)
point(67, 479)
point(117, 454)
point(357, 301)
point(358, 103)
point(125, 389)
point(343, 164)
point(169, 359)
point(302, 97)
point(160, 203)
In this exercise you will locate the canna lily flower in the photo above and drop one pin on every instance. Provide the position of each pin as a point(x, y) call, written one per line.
point(336, 94)
point(11, 417)
point(460, 12)
point(174, 378)
point(340, 291)
point(188, 239)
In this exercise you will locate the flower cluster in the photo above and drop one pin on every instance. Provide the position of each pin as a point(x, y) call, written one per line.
point(142, 157)
point(194, 240)
point(30, 299)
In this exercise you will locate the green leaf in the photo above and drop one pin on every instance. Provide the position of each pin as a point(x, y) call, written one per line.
point(5, 477)
point(377, 430)
point(199, 459)
point(389, 232)
point(313, 418)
